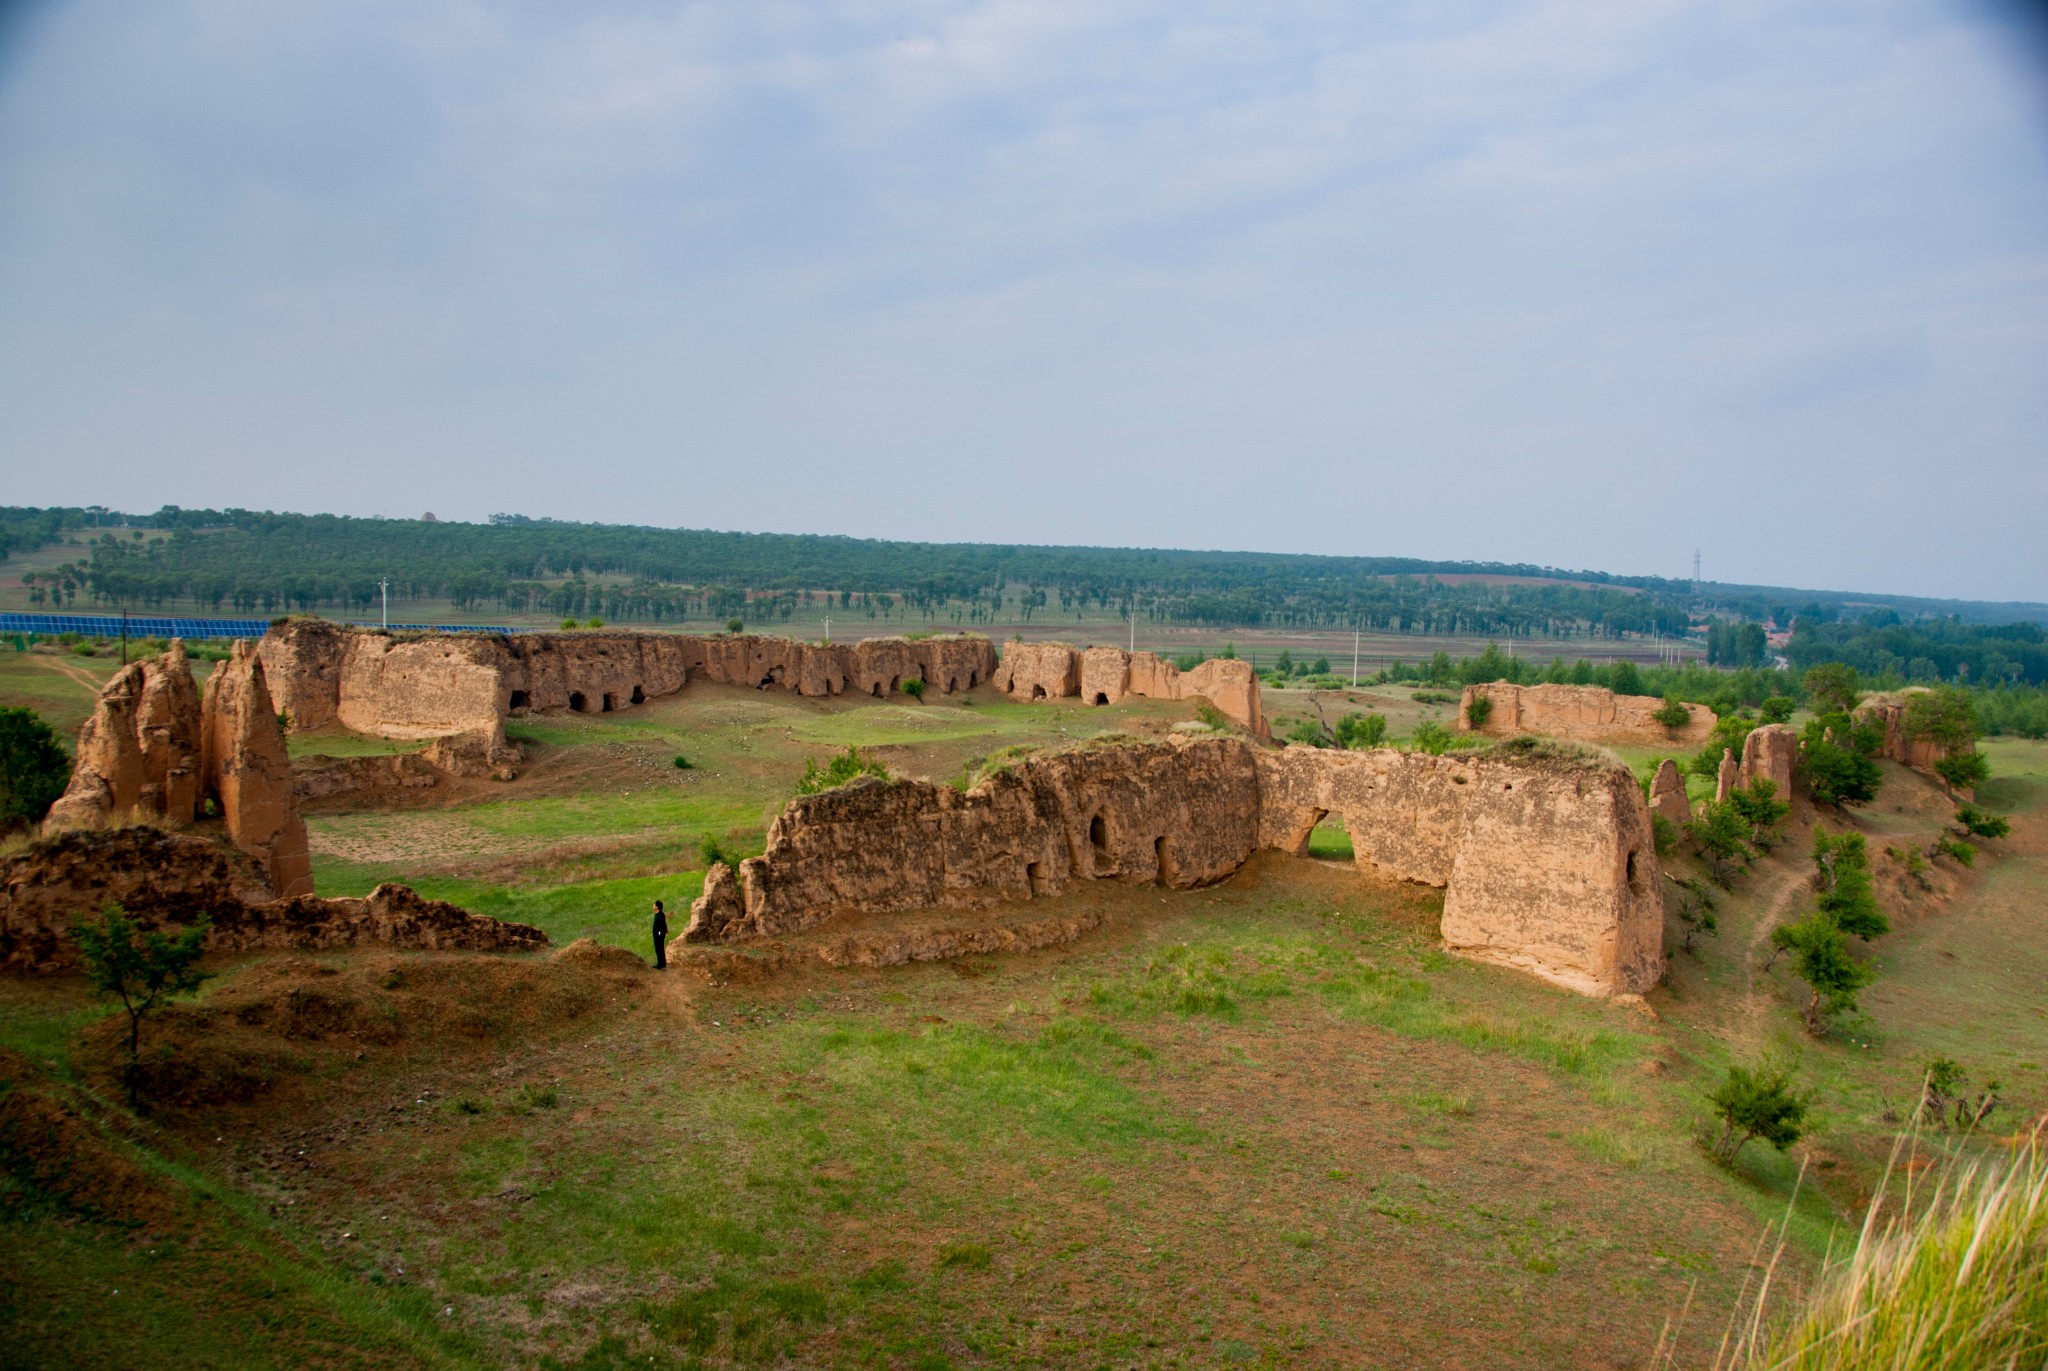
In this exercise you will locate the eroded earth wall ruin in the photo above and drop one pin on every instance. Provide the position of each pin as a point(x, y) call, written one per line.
point(169, 880)
point(1586, 714)
point(154, 751)
point(1547, 858)
point(1106, 675)
point(439, 685)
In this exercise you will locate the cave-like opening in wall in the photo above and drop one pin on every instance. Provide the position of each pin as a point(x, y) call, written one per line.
point(1162, 859)
point(609, 703)
point(639, 696)
point(519, 700)
point(1098, 844)
point(577, 702)
point(1101, 698)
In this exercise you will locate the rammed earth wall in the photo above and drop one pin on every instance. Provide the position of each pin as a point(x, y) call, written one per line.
point(1547, 860)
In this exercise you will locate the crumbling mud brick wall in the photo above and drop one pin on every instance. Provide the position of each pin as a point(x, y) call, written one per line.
point(1889, 713)
point(1107, 675)
point(440, 685)
point(169, 880)
point(1586, 714)
point(1546, 857)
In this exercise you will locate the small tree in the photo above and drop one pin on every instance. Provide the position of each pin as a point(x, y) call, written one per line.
point(735, 625)
point(1776, 709)
point(1695, 908)
point(1945, 1100)
point(1309, 731)
point(1756, 1104)
point(1722, 836)
point(1848, 895)
point(1825, 965)
point(140, 972)
point(1478, 712)
point(1961, 852)
point(1832, 687)
point(1943, 715)
point(1963, 770)
point(1837, 774)
point(1361, 732)
point(1674, 715)
point(914, 688)
point(34, 768)
point(1758, 805)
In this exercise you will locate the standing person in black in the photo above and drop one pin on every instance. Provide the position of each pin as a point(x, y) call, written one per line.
point(660, 938)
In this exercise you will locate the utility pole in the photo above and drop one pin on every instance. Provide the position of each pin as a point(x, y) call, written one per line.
point(1134, 628)
point(1695, 573)
point(828, 630)
point(384, 589)
point(124, 635)
point(1354, 659)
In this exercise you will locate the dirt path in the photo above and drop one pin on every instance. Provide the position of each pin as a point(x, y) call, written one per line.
point(76, 673)
point(1773, 914)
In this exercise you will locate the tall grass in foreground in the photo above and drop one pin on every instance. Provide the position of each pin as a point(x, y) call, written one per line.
point(1952, 1279)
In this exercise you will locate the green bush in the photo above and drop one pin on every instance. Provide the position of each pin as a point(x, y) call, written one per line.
point(1722, 836)
point(1478, 711)
point(139, 971)
point(1963, 770)
point(682, 763)
point(1963, 853)
point(1824, 963)
point(1777, 709)
point(1308, 731)
point(1756, 1104)
point(735, 625)
point(1674, 715)
point(1847, 894)
point(1361, 732)
point(914, 688)
point(1980, 823)
point(845, 767)
point(1758, 806)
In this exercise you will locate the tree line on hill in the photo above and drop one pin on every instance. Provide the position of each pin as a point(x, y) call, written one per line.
point(252, 561)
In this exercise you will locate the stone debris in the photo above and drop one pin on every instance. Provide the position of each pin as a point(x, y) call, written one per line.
point(1586, 714)
point(1547, 860)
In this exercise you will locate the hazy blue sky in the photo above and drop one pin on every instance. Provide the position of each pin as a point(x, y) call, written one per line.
point(1582, 283)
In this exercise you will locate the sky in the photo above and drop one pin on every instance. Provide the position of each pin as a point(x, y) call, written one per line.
point(1587, 284)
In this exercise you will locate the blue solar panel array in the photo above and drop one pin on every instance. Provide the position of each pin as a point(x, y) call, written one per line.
point(110, 626)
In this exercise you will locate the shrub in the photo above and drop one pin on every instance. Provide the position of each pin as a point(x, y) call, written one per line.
point(1321, 667)
point(1212, 716)
point(735, 625)
point(34, 768)
point(1361, 732)
point(1308, 731)
point(597, 623)
point(1722, 836)
point(1962, 853)
point(1963, 770)
point(1664, 834)
point(1777, 709)
point(716, 853)
point(569, 623)
point(1756, 1104)
point(1433, 738)
point(1674, 715)
point(1730, 732)
point(1695, 907)
point(539, 1096)
point(1478, 711)
point(139, 972)
point(914, 688)
point(1758, 805)
point(682, 763)
point(847, 766)
point(1979, 823)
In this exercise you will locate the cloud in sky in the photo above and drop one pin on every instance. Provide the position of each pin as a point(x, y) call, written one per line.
point(1581, 283)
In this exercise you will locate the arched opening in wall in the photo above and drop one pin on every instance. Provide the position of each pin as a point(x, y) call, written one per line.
point(1305, 829)
point(973, 679)
point(1635, 876)
point(878, 690)
point(895, 684)
point(639, 696)
point(577, 702)
point(610, 703)
point(1034, 874)
point(1162, 857)
point(774, 677)
point(1098, 844)
point(1038, 692)
point(1101, 698)
point(520, 700)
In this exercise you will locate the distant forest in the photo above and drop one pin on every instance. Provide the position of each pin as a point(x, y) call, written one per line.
point(252, 562)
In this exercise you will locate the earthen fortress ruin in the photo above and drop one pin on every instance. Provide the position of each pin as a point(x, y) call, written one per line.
point(1545, 855)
